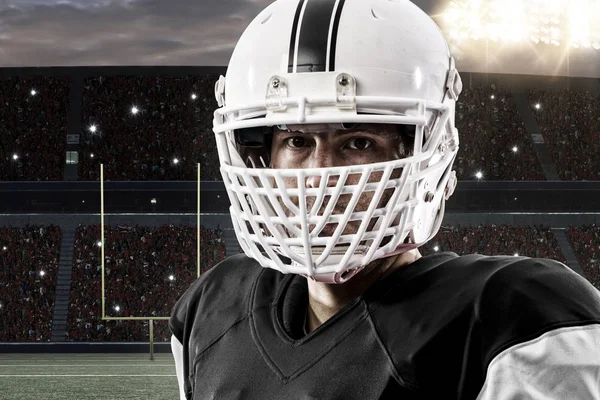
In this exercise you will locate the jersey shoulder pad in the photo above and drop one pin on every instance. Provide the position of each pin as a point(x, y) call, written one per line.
point(216, 298)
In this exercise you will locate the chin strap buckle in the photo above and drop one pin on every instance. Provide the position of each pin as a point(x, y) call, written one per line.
point(451, 185)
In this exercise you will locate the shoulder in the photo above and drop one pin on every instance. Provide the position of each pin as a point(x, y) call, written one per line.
point(540, 329)
point(472, 308)
point(225, 285)
point(530, 297)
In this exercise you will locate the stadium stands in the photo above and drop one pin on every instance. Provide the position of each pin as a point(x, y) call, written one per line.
point(570, 123)
point(33, 128)
point(28, 262)
point(146, 270)
point(585, 241)
point(490, 127)
point(172, 120)
point(169, 124)
point(140, 261)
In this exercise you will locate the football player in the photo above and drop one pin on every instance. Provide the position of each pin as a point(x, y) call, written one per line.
point(336, 138)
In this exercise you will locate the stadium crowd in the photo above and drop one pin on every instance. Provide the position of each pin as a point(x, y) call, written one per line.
point(526, 241)
point(489, 127)
point(585, 241)
point(570, 124)
point(169, 124)
point(146, 270)
point(33, 127)
point(139, 262)
point(28, 265)
point(173, 121)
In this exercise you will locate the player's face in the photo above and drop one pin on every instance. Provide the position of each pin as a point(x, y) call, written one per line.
point(325, 145)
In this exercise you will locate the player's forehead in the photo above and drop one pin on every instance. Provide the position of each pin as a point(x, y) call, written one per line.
point(338, 127)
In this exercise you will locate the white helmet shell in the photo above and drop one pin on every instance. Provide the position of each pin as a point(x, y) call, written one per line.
point(339, 61)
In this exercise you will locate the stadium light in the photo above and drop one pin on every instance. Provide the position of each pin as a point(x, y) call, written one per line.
point(153, 200)
point(538, 106)
point(515, 149)
point(134, 110)
point(516, 254)
point(42, 273)
point(93, 128)
point(171, 278)
point(492, 97)
point(4, 248)
point(175, 161)
point(551, 22)
point(479, 175)
point(92, 155)
point(436, 248)
point(33, 92)
point(99, 243)
point(15, 157)
point(117, 308)
point(194, 96)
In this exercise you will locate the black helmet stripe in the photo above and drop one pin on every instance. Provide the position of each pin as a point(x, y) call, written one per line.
point(309, 45)
point(294, 34)
point(334, 33)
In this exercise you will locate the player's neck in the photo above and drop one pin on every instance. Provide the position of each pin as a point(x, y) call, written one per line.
point(325, 300)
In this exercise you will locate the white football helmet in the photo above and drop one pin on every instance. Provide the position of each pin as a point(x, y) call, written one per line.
point(346, 62)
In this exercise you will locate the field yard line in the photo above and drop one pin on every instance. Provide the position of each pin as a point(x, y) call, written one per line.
point(92, 376)
point(86, 365)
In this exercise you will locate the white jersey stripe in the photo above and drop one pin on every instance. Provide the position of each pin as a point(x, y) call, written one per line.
point(177, 350)
point(563, 364)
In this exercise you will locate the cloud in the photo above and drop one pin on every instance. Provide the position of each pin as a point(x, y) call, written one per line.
point(123, 32)
point(186, 33)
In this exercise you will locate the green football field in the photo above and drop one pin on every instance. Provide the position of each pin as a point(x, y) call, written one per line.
point(87, 377)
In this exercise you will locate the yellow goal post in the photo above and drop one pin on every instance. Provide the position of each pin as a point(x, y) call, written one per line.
point(103, 293)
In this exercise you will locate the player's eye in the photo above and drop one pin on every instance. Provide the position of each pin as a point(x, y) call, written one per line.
point(295, 142)
point(360, 143)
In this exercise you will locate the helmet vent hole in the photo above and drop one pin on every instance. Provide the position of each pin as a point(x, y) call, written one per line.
point(346, 274)
point(266, 19)
point(376, 14)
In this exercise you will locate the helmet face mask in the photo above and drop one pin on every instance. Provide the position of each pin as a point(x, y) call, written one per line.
point(327, 223)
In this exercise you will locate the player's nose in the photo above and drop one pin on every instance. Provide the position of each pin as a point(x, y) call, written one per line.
point(322, 157)
point(314, 181)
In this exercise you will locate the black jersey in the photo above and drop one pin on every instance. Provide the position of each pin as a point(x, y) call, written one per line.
point(444, 327)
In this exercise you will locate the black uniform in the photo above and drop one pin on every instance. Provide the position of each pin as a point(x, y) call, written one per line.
point(429, 330)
